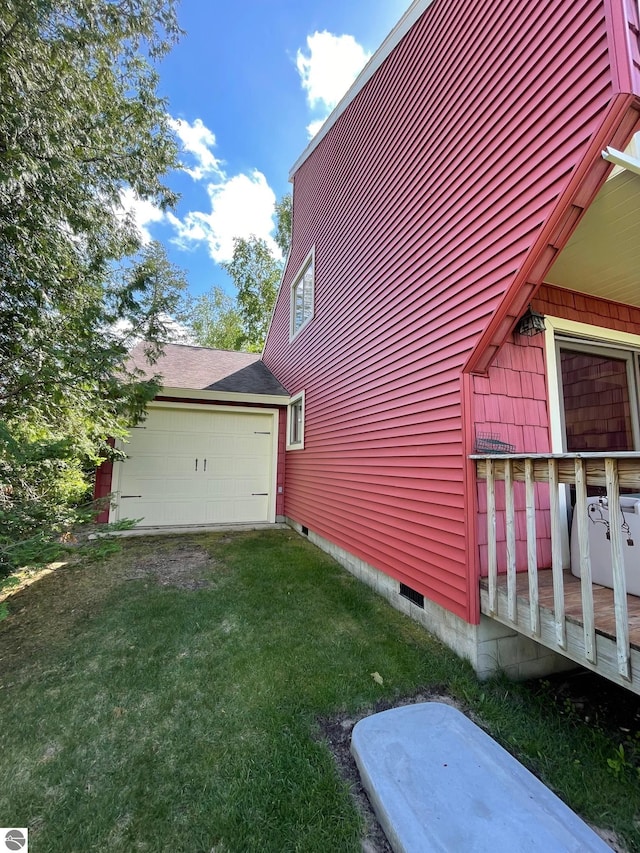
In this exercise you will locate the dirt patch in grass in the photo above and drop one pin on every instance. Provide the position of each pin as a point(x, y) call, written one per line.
point(184, 566)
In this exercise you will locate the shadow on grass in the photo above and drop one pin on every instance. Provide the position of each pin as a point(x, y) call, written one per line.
point(181, 696)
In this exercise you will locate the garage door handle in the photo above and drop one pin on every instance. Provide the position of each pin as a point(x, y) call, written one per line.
point(196, 464)
point(205, 464)
point(259, 494)
point(122, 497)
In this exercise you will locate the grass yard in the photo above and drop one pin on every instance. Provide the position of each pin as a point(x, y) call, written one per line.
point(174, 698)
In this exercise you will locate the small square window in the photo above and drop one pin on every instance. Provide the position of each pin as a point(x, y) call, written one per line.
point(295, 423)
point(302, 296)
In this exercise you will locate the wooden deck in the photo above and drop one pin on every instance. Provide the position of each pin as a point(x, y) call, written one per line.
point(602, 602)
point(596, 627)
point(604, 614)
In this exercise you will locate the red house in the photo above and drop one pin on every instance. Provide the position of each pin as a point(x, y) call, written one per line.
point(459, 327)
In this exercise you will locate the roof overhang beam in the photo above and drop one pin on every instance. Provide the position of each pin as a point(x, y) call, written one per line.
point(619, 158)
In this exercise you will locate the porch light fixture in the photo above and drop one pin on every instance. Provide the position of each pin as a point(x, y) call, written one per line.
point(530, 324)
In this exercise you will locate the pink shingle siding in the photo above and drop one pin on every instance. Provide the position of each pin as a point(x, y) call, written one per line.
point(422, 203)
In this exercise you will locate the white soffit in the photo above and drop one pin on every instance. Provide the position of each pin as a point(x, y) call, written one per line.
point(394, 38)
point(602, 257)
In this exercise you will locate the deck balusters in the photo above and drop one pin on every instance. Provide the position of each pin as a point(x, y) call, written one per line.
point(580, 470)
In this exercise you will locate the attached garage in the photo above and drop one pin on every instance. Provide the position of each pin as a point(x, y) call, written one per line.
point(206, 455)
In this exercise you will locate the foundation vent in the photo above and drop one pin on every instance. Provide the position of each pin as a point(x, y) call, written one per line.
point(304, 530)
point(412, 595)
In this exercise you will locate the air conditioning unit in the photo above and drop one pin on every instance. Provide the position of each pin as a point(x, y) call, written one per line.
point(599, 542)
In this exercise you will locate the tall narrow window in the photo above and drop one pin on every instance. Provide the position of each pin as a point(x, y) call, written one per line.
point(295, 423)
point(302, 296)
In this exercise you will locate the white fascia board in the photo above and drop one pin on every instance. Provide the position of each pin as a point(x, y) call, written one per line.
point(394, 38)
point(224, 396)
point(619, 158)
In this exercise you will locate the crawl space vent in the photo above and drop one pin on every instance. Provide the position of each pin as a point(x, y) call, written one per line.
point(412, 595)
point(305, 530)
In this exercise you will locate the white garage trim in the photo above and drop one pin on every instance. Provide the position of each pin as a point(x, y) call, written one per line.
point(271, 417)
point(224, 396)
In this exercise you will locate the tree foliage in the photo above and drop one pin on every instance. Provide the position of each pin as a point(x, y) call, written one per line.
point(255, 273)
point(80, 121)
point(217, 319)
point(284, 214)
point(214, 320)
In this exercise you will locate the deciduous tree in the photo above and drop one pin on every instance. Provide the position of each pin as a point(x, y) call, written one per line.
point(80, 121)
point(217, 319)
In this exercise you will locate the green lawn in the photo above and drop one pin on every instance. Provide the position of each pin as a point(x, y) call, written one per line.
point(169, 698)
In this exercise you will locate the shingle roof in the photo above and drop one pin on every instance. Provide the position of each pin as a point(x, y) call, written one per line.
point(204, 369)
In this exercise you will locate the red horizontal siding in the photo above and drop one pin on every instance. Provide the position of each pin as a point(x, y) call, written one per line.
point(422, 202)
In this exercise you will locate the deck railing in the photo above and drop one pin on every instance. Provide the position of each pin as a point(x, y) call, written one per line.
point(612, 472)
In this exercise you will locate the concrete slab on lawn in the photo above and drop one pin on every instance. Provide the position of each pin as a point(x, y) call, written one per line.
point(438, 782)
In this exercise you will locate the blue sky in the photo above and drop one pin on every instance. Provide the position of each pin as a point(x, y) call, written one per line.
point(245, 86)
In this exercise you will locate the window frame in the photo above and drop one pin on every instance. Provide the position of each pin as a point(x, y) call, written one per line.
point(629, 355)
point(572, 333)
point(295, 401)
point(309, 261)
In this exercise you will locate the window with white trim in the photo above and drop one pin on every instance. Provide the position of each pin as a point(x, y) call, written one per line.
point(295, 422)
point(593, 375)
point(302, 296)
point(599, 396)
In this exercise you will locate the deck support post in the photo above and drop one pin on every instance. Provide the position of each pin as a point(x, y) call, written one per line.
point(586, 588)
point(532, 554)
point(556, 555)
point(617, 564)
point(510, 524)
point(492, 550)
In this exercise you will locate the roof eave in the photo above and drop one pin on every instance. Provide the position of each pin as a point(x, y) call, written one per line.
point(588, 176)
point(204, 395)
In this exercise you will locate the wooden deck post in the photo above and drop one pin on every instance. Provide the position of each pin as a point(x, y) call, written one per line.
point(582, 520)
point(532, 551)
point(556, 555)
point(617, 564)
point(492, 550)
point(510, 524)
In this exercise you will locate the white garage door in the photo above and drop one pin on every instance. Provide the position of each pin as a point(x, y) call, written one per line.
point(204, 466)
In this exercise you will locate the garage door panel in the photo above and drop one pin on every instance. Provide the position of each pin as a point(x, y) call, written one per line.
point(162, 513)
point(157, 466)
point(236, 487)
point(217, 512)
point(233, 479)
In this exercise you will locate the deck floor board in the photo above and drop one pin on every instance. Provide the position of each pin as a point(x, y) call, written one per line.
point(602, 602)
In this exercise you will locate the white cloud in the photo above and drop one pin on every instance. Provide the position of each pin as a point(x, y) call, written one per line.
point(198, 141)
point(241, 206)
point(314, 126)
point(141, 211)
point(327, 70)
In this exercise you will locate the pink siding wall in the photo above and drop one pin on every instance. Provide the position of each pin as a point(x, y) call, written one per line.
point(587, 309)
point(102, 487)
point(422, 202)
